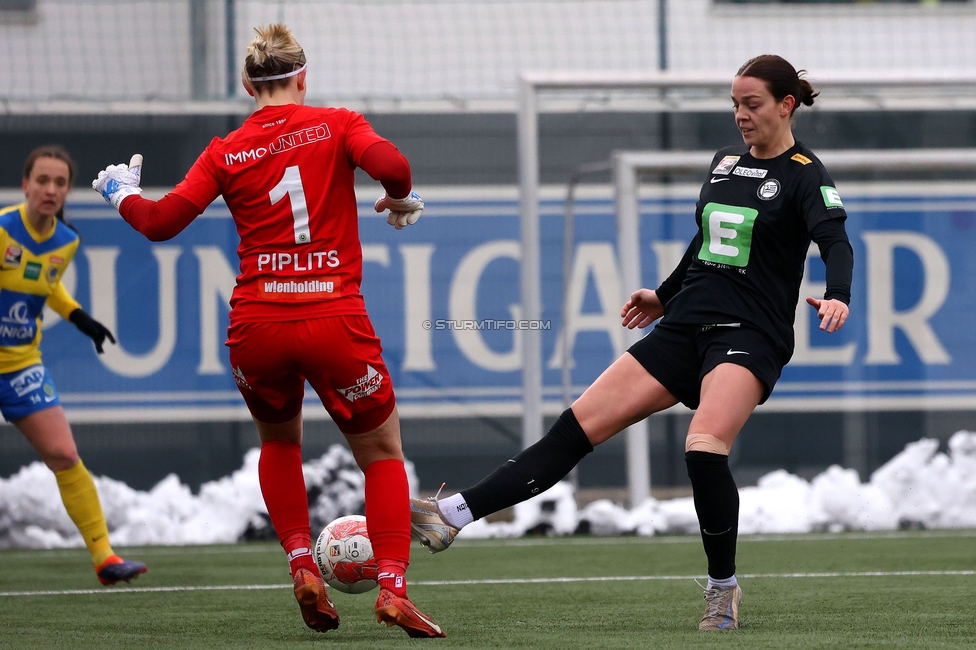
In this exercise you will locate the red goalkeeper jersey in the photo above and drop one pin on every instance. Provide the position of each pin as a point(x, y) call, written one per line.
point(287, 176)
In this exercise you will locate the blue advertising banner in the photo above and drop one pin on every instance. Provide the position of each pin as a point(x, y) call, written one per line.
point(443, 295)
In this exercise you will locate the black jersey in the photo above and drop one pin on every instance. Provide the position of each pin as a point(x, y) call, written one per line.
point(746, 262)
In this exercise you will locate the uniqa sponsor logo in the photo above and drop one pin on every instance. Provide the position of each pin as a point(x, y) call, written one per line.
point(17, 314)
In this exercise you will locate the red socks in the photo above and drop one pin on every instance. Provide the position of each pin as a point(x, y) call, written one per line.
point(387, 511)
point(283, 487)
point(388, 519)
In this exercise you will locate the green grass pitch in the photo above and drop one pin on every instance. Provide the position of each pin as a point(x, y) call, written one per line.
point(885, 590)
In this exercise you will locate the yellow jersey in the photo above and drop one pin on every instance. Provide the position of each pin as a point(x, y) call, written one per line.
point(30, 277)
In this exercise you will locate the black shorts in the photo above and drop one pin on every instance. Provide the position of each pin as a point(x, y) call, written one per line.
point(679, 356)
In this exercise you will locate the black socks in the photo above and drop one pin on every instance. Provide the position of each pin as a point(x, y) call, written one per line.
point(533, 471)
point(717, 505)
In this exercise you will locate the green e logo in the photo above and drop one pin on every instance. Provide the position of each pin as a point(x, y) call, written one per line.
point(831, 197)
point(727, 233)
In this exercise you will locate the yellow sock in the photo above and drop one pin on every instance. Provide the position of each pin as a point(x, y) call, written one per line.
point(81, 501)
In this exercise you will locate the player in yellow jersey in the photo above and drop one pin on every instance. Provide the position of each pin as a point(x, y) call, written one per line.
point(37, 246)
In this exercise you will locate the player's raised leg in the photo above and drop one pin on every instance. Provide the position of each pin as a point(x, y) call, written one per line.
point(626, 384)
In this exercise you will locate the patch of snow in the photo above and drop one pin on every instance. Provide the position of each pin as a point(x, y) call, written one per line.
point(920, 487)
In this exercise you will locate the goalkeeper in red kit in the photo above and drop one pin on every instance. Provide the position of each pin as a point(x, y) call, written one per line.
point(287, 176)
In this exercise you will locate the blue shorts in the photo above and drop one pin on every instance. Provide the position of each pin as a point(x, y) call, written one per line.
point(26, 391)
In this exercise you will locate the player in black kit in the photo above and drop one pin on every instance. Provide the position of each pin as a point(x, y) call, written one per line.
point(725, 335)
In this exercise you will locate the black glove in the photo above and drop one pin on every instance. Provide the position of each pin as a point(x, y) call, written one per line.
point(91, 328)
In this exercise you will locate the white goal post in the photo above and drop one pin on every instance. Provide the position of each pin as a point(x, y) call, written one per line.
point(688, 91)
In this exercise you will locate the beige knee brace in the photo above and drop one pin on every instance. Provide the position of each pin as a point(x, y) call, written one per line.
point(705, 442)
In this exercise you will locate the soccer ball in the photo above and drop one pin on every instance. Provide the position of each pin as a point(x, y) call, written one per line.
point(345, 555)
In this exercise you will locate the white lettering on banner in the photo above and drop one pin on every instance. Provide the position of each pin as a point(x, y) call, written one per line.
point(378, 253)
point(217, 281)
point(883, 319)
point(69, 280)
point(668, 254)
point(418, 342)
point(804, 354)
point(101, 267)
point(599, 260)
point(463, 302)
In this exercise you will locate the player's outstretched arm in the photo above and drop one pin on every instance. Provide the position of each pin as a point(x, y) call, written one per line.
point(91, 328)
point(403, 212)
point(157, 220)
point(116, 182)
point(643, 308)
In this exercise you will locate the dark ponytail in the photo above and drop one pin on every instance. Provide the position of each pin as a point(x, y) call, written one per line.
point(60, 153)
point(781, 78)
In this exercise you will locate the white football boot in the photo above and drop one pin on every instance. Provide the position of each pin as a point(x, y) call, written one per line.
point(721, 608)
point(428, 526)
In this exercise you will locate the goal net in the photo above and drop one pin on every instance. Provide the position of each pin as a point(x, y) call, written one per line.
point(443, 55)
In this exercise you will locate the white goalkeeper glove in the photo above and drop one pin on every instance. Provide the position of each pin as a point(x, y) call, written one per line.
point(403, 212)
point(116, 182)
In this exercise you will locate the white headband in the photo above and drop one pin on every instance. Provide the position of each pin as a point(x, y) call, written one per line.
point(280, 76)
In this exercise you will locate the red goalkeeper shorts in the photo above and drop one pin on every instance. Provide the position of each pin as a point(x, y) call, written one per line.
point(340, 356)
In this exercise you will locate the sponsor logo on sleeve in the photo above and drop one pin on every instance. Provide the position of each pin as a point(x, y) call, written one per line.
point(750, 172)
point(32, 271)
point(768, 190)
point(831, 197)
point(800, 158)
point(725, 165)
point(12, 257)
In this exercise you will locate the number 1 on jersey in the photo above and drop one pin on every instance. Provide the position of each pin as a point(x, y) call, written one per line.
point(291, 185)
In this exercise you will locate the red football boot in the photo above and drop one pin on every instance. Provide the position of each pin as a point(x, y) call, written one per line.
point(393, 610)
point(313, 598)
